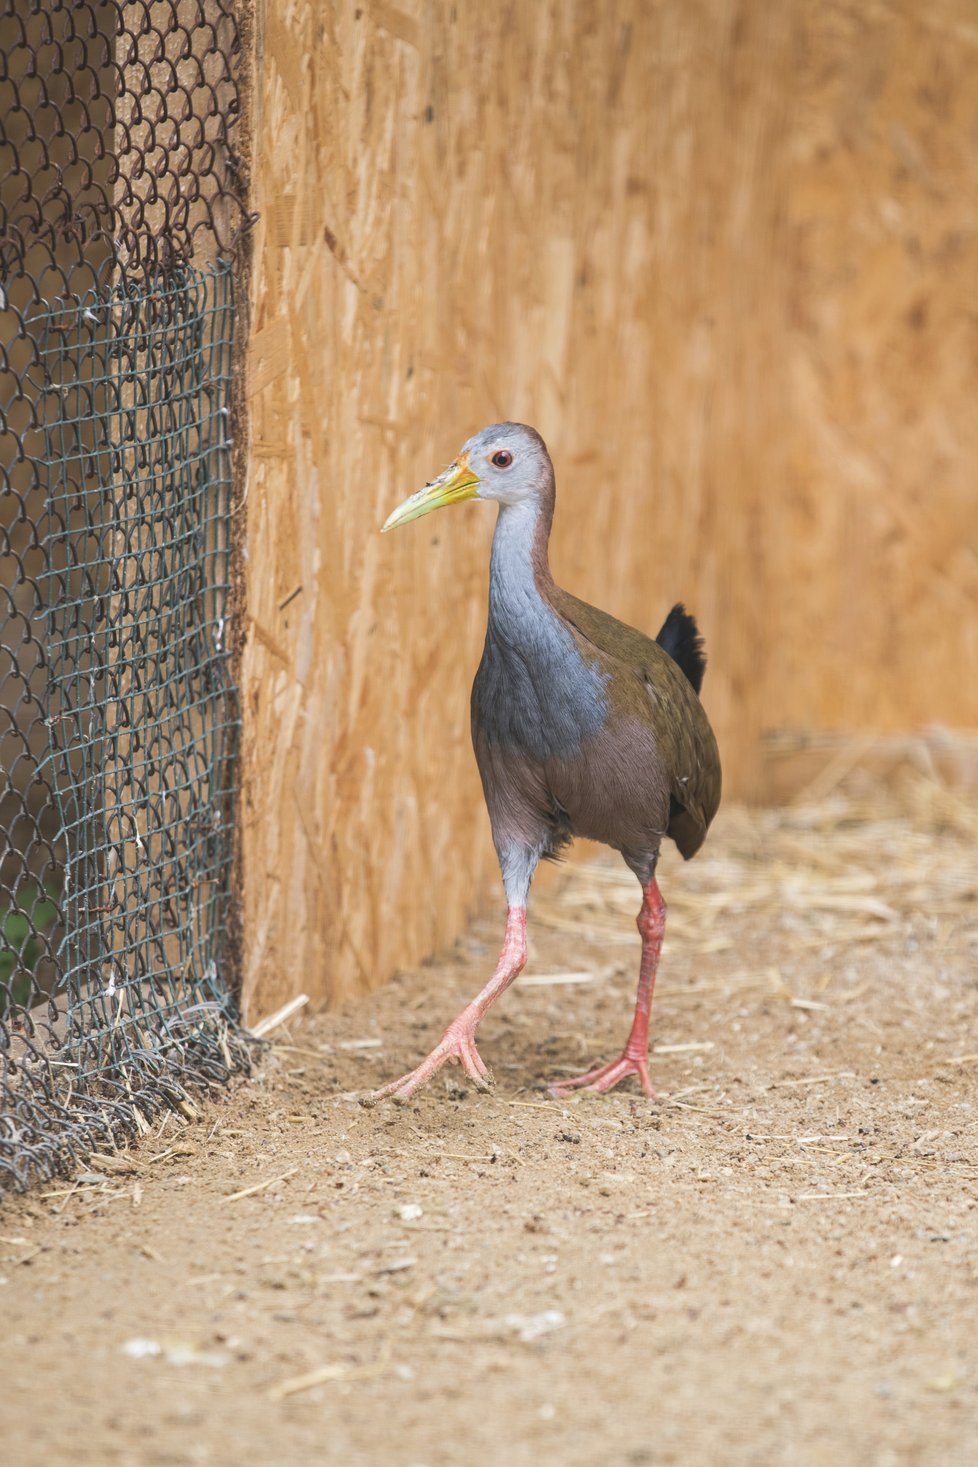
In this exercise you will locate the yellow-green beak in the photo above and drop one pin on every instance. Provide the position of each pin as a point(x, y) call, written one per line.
point(457, 483)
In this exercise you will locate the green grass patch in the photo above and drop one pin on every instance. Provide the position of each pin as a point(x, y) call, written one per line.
point(22, 924)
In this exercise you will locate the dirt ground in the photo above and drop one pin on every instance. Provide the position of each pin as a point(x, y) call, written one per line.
point(773, 1262)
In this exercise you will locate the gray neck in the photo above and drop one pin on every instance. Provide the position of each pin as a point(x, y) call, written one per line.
point(533, 692)
point(516, 601)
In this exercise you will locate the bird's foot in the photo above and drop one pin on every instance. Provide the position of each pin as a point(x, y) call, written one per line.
point(456, 1046)
point(605, 1078)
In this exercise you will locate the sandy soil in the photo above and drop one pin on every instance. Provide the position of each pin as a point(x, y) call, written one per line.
point(774, 1262)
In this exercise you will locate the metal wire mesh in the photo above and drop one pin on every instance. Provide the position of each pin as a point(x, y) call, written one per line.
point(120, 211)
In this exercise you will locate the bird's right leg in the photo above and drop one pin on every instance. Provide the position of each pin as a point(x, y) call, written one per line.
point(457, 1044)
point(518, 860)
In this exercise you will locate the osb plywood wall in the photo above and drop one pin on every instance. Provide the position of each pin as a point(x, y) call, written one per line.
point(723, 255)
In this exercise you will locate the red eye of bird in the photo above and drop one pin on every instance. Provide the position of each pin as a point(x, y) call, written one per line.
point(502, 459)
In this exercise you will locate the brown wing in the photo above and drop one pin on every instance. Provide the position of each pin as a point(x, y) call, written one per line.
point(649, 684)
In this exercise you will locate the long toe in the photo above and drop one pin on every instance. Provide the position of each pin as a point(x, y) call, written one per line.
point(473, 1064)
point(385, 1092)
point(578, 1082)
point(601, 1080)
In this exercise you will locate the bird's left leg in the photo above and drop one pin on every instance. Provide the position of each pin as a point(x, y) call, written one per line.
point(634, 1058)
point(457, 1044)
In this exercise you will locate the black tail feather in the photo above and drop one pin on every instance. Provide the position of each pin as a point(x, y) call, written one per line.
point(680, 637)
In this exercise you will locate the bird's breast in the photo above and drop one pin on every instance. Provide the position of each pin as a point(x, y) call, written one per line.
point(535, 695)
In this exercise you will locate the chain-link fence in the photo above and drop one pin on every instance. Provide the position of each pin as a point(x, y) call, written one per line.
point(120, 212)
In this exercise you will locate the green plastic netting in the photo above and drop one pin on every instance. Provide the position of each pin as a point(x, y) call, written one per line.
point(119, 216)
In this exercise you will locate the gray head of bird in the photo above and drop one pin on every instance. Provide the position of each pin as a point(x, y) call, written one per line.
point(507, 463)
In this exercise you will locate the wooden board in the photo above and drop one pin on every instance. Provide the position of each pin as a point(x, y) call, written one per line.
point(723, 256)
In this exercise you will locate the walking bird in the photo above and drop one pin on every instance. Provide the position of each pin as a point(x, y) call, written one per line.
point(581, 726)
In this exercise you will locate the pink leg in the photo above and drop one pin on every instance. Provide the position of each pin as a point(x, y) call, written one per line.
point(635, 1056)
point(457, 1044)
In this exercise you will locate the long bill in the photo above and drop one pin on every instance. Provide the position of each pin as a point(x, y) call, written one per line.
point(458, 482)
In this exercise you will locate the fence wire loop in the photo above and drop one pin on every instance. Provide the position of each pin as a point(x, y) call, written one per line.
point(121, 208)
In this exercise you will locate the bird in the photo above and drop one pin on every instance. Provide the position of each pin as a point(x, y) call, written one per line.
point(581, 726)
